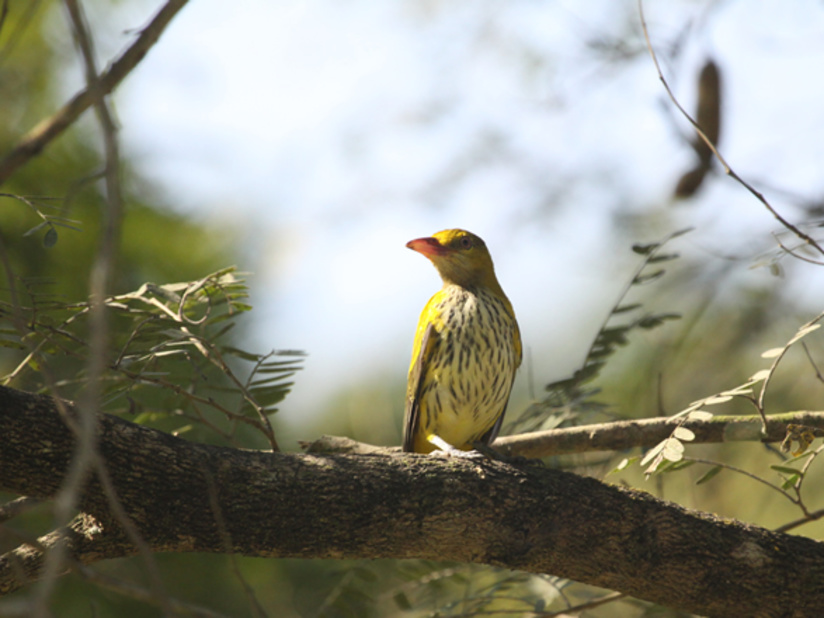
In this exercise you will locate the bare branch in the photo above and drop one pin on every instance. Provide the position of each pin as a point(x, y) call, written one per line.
point(31, 144)
point(616, 435)
point(16, 507)
point(130, 590)
point(621, 435)
point(727, 169)
point(86, 457)
point(814, 516)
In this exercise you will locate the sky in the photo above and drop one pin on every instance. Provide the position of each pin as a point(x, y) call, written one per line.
point(332, 132)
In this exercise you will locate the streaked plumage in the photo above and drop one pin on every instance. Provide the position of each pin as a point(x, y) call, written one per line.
point(466, 351)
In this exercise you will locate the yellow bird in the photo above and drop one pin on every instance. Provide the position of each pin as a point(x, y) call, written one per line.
point(466, 351)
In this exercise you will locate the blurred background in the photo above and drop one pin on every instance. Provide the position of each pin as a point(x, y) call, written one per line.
point(327, 134)
point(308, 141)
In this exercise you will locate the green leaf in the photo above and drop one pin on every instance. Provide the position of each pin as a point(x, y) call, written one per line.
point(241, 307)
point(659, 458)
point(645, 249)
point(365, 574)
point(651, 321)
point(798, 458)
point(36, 228)
point(626, 308)
point(674, 466)
point(803, 332)
point(709, 475)
point(644, 279)
point(566, 398)
point(623, 464)
point(249, 356)
point(680, 232)
point(15, 345)
point(50, 238)
point(786, 470)
point(663, 257)
point(145, 417)
point(673, 450)
point(653, 452)
point(683, 434)
point(278, 366)
point(402, 601)
point(759, 376)
point(715, 400)
point(273, 394)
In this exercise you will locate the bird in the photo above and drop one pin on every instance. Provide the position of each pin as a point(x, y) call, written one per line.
point(466, 351)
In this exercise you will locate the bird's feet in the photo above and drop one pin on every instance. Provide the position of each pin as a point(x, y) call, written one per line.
point(445, 449)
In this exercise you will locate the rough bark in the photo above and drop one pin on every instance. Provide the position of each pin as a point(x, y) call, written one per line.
point(187, 497)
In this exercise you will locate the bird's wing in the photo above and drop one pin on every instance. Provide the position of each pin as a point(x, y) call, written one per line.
point(516, 334)
point(490, 435)
point(519, 354)
point(426, 339)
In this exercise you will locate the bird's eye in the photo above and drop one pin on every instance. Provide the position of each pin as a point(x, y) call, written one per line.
point(466, 242)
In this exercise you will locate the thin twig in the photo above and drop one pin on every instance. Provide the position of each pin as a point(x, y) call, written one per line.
point(570, 611)
point(612, 435)
point(814, 516)
point(803, 474)
point(86, 457)
point(754, 477)
point(132, 591)
point(798, 256)
point(727, 169)
point(31, 144)
point(812, 362)
point(806, 328)
point(228, 547)
point(213, 355)
point(15, 507)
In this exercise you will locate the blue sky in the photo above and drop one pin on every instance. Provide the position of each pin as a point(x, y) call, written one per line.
point(332, 132)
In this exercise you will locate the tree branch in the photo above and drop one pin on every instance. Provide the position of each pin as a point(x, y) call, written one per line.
point(617, 435)
point(622, 435)
point(709, 143)
point(31, 144)
point(399, 506)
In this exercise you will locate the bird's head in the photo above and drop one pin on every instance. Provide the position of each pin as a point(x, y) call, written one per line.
point(460, 257)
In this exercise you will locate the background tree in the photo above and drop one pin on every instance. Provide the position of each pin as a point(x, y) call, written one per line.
point(170, 363)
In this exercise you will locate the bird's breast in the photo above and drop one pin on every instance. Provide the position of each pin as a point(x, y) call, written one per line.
point(469, 377)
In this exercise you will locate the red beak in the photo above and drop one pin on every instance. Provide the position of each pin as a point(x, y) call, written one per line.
point(430, 247)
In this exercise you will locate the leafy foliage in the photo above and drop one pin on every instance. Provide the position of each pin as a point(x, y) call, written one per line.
point(572, 397)
point(50, 222)
point(669, 455)
point(671, 449)
point(438, 589)
point(167, 362)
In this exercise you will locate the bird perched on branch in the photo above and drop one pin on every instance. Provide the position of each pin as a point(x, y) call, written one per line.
point(466, 351)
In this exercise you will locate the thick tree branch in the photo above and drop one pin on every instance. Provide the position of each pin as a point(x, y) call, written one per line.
point(191, 497)
point(48, 129)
